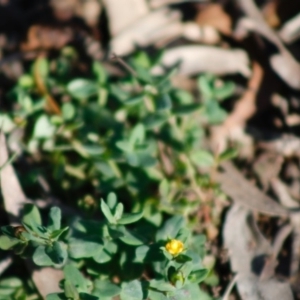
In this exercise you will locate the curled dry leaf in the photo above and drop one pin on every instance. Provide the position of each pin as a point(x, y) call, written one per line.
point(290, 31)
point(270, 13)
point(64, 10)
point(282, 193)
point(89, 10)
point(196, 59)
point(266, 167)
point(214, 16)
point(46, 279)
point(240, 190)
point(287, 145)
point(45, 38)
point(248, 249)
point(145, 31)
point(122, 14)
point(205, 34)
point(283, 63)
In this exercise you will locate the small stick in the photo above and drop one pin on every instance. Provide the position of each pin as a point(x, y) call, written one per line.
point(121, 61)
point(230, 287)
point(5, 263)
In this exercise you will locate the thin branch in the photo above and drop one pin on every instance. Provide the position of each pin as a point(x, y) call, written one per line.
point(230, 287)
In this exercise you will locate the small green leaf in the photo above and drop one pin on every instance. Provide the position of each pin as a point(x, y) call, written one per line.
point(68, 111)
point(155, 120)
point(112, 200)
point(102, 256)
point(225, 91)
point(130, 218)
point(107, 212)
point(119, 211)
point(41, 258)
point(130, 238)
point(43, 128)
point(164, 102)
point(106, 289)
point(7, 242)
point(56, 296)
point(228, 154)
point(31, 214)
point(57, 252)
point(143, 74)
point(170, 229)
point(164, 189)
point(198, 276)
point(183, 235)
point(82, 89)
point(125, 146)
point(202, 158)
point(100, 72)
point(135, 100)
point(79, 248)
point(70, 290)
point(132, 290)
point(162, 285)
point(85, 296)
point(6, 122)
point(54, 219)
point(186, 109)
point(182, 258)
point(73, 275)
point(205, 85)
point(57, 233)
point(137, 135)
point(141, 253)
point(156, 295)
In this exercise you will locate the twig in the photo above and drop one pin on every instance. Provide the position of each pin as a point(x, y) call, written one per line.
point(121, 61)
point(5, 263)
point(230, 287)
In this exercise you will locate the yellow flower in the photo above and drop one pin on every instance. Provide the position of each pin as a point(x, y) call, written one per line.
point(174, 247)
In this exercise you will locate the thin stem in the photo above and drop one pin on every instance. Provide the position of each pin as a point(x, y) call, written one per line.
point(121, 61)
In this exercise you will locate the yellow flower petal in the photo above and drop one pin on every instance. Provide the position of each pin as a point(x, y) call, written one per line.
point(174, 247)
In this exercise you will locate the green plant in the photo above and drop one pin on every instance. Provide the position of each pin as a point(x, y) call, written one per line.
point(108, 249)
point(87, 133)
point(34, 239)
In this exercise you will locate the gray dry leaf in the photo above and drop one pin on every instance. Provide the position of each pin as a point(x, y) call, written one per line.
point(290, 31)
point(286, 200)
point(145, 31)
point(122, 14)
point(244, 193)
point(287, 145)
point(247, 250)
point(196, 59)
point(46, 279)
point(283, 63)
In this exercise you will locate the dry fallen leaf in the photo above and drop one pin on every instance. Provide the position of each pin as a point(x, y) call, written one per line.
point(290, 31)
point(44, 38)
point(122, 14)
point(248, 250)
point(241, 191)
point(197, 59)
point(213, 15)
point(283, 63)
point(144, 31)
point(282, 193)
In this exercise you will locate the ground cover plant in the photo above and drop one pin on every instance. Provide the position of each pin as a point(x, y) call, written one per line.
point(120, 135)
